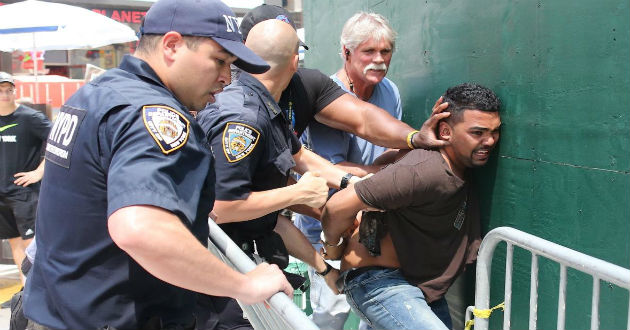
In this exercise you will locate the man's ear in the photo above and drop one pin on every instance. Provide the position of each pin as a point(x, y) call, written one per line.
point(444, 131)
point(170, 44)
point(346, 53)
point(296, 61)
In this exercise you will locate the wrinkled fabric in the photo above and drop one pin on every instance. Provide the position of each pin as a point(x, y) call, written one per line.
point(371, 230)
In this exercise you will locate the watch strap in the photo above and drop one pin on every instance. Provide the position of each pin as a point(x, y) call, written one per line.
point(345, 180)
point(325, 272)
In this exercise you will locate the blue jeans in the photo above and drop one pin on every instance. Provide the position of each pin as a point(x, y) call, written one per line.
point(385, 300)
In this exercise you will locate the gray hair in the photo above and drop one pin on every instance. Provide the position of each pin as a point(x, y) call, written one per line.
point(363, 26)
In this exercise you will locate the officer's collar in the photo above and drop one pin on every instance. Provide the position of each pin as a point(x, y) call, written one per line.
point(141, 68)
point(272, 107)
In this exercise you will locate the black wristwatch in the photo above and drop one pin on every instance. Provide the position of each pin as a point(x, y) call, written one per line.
point(345, 180)
point(325, 272)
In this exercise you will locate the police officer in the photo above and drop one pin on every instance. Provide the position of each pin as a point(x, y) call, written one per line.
point(254, 151)
point(127, 190)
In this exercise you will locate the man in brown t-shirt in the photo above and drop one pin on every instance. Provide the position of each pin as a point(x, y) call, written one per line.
point(399, 263)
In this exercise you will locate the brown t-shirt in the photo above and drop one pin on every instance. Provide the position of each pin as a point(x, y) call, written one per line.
point(422, 199)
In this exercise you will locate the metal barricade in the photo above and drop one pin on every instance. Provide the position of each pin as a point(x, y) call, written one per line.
point(281, 313)
point(597, 268)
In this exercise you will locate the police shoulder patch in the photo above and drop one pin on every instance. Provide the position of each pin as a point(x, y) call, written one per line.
point(239, 140)
point(167, 126)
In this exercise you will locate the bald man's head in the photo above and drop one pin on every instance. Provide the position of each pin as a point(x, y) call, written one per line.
point(275, 41)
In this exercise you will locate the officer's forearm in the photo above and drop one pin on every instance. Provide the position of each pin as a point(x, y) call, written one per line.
point(358, 169)
point(162, 245)
point(307, 160)
point(256, 205)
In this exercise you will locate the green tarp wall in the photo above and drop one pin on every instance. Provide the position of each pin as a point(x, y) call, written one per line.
point(561, 172)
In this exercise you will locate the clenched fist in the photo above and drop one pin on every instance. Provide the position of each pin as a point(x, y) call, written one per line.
point(312, 190)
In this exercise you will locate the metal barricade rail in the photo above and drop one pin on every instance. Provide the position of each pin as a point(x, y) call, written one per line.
point(597, 268)
point(282, 313)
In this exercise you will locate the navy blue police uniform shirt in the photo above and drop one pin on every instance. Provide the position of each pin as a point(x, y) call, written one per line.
point(252, 145)
point(119, 141)
point(22, 136)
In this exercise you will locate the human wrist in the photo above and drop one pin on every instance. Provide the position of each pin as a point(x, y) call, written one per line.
point(409, 139)
point(297, 194)
point(335, 243)
point(417, 141)
point(243, 291)
point(325, 271)
point(345, 180)
point(354, 179)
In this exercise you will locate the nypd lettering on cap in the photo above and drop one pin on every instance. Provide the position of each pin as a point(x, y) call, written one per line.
point(168, 127)
point(239, 140)
point(63, 134)
point(231, 24)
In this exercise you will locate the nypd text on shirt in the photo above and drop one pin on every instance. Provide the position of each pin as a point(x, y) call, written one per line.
point(63, 134)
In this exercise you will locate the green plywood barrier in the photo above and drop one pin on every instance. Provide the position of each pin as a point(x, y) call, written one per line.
point(562, 171)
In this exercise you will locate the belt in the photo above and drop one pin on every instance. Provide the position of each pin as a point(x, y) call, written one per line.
point(351, 274)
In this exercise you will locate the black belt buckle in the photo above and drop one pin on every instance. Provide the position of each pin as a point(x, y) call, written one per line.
point(348, 275)
point(340, 283)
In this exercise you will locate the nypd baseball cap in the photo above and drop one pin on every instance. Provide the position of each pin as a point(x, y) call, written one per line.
point(203, 18)
point(5, 77)
point(263, 13)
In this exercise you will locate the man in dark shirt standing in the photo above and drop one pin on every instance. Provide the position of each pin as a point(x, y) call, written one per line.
point(22, 134)
point(399, 263)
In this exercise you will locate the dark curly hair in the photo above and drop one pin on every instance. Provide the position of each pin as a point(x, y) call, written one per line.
point(469, 96)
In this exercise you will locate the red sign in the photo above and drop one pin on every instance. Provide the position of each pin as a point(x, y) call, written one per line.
point(27, 61)
point(123, 16)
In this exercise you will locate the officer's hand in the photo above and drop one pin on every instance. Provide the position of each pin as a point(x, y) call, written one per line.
point(426, 137)
point(312, 190)
point(265, 281)
point(26, 178)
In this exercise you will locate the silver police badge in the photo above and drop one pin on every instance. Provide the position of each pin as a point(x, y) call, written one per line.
point(168, 127)
point(239, 140)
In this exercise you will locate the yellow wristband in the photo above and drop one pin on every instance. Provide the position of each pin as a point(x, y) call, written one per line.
point(409, 137)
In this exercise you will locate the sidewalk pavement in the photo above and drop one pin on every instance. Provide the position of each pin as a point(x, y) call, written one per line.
point(9, 285)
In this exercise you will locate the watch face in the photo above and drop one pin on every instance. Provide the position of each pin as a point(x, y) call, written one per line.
point(345, 180)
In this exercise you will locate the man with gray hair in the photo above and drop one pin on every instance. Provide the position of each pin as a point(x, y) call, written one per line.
point(367, 44)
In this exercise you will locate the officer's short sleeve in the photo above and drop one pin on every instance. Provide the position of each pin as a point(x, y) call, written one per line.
point(237, 147)
point(156, 159)
point(295, 144)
